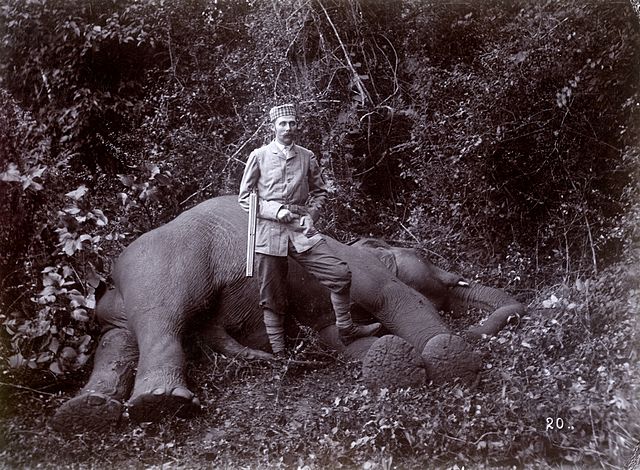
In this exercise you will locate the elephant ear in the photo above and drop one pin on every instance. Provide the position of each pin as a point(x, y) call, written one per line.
point(388, 259)
point(382, 251)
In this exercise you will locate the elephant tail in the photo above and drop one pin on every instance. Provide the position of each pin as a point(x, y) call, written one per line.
point(503, 307)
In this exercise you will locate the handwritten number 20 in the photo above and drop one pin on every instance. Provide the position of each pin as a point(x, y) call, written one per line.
point(557, 423)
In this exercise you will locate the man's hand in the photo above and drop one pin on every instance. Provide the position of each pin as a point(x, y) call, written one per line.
point(307, 223)
point(285, 215)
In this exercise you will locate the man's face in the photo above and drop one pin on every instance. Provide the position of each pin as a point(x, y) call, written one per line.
point(285, 128)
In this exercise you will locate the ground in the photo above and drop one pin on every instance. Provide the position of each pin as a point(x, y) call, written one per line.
point(534, 407)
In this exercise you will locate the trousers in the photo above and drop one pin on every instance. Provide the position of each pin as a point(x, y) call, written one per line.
point(319, 261)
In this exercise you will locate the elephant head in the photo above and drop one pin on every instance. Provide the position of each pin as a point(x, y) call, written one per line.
point(415, 270)
point(447, 291)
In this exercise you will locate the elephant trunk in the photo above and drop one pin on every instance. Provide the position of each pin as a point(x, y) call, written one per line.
point(402, 310)
point(502, 305)
point(447, 278)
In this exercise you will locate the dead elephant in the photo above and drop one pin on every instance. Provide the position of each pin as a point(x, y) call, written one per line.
point(192, 270)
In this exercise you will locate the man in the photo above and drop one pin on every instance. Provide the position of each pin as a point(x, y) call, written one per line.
point(291, 194)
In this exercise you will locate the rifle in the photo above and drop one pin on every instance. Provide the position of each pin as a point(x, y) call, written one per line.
point(251, 238)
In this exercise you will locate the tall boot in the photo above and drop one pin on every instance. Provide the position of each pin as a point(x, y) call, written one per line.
point(274, 323)
point(348, 331)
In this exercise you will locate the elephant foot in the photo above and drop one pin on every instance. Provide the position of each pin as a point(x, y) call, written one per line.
point(91, 411)
point(447, 357)
point(391, 362)
point(163, 402)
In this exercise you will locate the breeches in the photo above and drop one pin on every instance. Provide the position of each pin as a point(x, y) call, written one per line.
point(319, 261)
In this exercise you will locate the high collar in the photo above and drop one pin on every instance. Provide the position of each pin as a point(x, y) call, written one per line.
point(282, 147)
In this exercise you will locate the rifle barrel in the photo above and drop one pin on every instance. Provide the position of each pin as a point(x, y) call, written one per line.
point(251, 236)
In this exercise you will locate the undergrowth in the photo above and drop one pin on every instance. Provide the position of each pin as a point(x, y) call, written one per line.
point(558, 390)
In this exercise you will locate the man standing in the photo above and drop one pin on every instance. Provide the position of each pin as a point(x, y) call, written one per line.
point(291, 195)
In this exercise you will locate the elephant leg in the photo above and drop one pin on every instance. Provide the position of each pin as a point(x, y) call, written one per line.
point(219, 340)
point(160, 387)
point(99, 405)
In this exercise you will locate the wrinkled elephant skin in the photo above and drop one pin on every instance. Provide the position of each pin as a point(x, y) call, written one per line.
point(392, 362)
point(188, 275)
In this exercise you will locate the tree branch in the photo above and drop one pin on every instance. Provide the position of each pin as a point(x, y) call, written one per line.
point(362, 91)
point(232, 157)
point(21, 387)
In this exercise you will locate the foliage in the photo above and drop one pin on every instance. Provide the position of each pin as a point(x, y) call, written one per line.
point(557, 391)
point(501, 135)
point(519, 130)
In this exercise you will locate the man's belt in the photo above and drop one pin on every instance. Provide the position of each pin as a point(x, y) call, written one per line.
point(297, 209)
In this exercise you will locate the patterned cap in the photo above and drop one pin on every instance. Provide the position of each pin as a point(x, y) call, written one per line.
point(282, 110)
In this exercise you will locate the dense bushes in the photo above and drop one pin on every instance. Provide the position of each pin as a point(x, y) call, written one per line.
point(502, 135)
point(518, 127)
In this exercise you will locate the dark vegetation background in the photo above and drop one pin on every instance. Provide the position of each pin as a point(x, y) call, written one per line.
point(499, 136)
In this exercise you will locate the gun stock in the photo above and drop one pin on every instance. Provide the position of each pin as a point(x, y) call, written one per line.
point(251, 238)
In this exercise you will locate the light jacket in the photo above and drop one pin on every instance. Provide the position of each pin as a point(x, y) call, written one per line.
point(281, 182)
